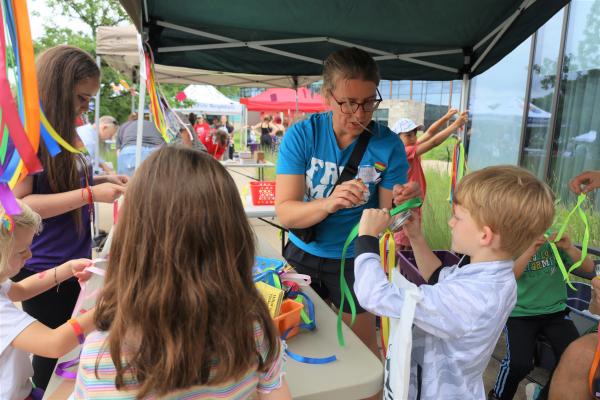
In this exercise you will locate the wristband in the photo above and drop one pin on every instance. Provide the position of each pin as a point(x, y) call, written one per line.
point(77, 329)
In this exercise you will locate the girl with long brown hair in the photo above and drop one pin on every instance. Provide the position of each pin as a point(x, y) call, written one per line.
point(179, 315)
point(64, 192)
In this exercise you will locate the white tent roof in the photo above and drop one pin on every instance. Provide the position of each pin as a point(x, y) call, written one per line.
point(118, 47)
point(209, 100)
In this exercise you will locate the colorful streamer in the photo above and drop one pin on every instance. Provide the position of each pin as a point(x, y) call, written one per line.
point(345, 290)
point(458, 167)
point(584, 243)
point(387, 251)
point(157, 110)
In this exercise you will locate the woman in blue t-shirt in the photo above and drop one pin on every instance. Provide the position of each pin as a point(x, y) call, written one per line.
point(63, 194)
point(311, 158)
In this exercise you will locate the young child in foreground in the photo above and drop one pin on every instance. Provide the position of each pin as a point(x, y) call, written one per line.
point(21, 334)
point(463, 310)
point(179, 316)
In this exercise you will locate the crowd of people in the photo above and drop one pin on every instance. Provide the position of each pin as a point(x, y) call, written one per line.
point(335, 170)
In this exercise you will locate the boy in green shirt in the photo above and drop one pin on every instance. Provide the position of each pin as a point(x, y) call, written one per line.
point(541, 308)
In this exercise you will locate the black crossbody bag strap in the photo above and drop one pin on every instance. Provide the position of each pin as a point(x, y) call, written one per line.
point(308, 235)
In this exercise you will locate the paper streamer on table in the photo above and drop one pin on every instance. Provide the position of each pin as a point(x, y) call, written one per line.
point(345, 290)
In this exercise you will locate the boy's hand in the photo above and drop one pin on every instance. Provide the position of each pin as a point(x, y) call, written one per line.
point(450, 113)
point(373, 221)
point(78, 268)
point(462, 119)
point(412, 227)
point(564, 243)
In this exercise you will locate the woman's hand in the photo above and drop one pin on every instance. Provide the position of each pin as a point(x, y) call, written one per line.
point(345, 195)
point(107, 192)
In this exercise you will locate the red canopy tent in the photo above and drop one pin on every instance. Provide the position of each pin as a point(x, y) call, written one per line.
point(286, 100)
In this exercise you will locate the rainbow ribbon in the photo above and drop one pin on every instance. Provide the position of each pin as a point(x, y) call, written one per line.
point(584, 243)
point(345, 290)
point(458, 167)
point(387, 251)
point(156, 108)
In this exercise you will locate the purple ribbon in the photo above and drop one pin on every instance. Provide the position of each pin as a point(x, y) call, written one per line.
point(61, 368)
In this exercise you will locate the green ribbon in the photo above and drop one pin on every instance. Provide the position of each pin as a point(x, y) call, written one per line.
point(346, 294)
point(584, 244)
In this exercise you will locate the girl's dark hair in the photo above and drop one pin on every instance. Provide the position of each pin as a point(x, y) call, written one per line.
point(59, 70)
point(176, 273)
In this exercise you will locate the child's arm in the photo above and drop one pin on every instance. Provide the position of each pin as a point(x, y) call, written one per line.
point(523, 260)
point(426, 260)
point(40, 340)
point(281, 393)
point(42, 281)
point(436, 126)
point(424, 146)
point(574, 253)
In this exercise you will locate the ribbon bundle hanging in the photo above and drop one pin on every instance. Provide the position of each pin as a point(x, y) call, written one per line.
point(387, 251)
point(19, 126)
point(458, 167)
point(156, 105)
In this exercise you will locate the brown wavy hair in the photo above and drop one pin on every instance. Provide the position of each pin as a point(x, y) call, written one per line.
point(179, 279)
point(59, 70)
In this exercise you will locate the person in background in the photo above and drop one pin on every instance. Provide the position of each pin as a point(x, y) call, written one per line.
point(88, 134)
point(415, 147)
point(230, 145)
point(201, 127)
point(126, 143)
point(65, 192)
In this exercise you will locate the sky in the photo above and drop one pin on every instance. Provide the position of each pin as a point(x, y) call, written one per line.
point(45, 15)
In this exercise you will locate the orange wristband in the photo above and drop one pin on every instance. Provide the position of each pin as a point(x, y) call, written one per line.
point(78, 330)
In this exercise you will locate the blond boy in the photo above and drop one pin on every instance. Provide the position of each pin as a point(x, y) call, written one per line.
point(497, 213)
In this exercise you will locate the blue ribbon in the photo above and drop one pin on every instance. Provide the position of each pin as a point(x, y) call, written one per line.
point(311, 326)
point(51, 145)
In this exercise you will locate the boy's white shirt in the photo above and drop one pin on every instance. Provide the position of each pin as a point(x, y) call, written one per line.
point(15, 365)
point(457, 322)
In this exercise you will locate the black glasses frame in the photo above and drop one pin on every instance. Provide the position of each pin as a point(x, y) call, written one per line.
point(354, 106)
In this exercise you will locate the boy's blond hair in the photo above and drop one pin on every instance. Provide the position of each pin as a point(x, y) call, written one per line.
point(26, 219)
point(511, 201)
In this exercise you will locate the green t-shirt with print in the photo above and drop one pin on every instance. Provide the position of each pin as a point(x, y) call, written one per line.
point(541, 288)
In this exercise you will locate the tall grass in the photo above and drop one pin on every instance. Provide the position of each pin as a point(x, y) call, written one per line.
point(437, 210)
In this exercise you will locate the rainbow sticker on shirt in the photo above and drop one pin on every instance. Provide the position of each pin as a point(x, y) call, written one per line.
point(380, 166)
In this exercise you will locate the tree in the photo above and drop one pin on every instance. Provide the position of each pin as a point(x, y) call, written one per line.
point(93, 13)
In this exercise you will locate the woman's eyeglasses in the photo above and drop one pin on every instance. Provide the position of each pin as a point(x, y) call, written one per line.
point(350, 107)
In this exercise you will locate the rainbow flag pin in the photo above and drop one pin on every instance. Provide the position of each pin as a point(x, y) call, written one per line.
point(380, 166)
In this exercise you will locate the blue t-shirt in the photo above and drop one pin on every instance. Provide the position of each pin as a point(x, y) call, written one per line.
point(310, 148)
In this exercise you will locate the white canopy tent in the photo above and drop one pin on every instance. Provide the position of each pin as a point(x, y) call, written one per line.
point(207, 99)
point(119, 46)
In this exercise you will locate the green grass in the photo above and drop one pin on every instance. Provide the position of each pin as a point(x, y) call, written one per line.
point(436, 210)
point(443, 152)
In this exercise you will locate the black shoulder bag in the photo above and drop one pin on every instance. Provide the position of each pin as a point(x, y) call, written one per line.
point(309, 234)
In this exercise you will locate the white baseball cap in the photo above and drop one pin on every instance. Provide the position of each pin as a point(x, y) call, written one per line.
point(405, 125)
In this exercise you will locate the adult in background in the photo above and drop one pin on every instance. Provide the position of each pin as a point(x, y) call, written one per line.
point(63, 193)
point(311, 158)
point(230, 144)
point(89, 135)
point(127, 139)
